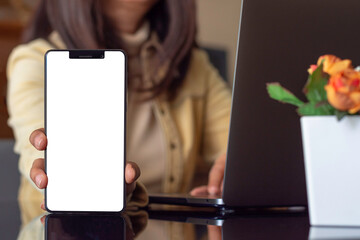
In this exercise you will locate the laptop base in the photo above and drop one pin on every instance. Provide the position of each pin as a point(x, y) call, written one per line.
point(187, 200)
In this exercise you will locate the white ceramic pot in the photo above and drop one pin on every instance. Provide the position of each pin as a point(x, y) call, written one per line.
point(332, 164)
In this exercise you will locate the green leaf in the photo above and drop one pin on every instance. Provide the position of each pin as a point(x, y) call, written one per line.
point(315, 109)
point(340, 114)
point(277, 92)
point(314, 88)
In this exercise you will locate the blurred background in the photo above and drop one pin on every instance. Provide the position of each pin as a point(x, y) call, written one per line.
point(217, 34)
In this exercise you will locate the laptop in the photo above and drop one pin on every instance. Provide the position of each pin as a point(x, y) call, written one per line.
point(277, 42)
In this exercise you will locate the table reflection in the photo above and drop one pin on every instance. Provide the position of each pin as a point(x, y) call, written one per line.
point(168, 225)
point(271, 226)
point(175, 224)
point(84, 226)
point(245, 224)
point(72, 227)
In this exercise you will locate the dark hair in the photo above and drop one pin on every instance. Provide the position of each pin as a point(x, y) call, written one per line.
point(174, 21)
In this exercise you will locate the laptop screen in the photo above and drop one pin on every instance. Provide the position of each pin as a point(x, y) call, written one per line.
point(278, 41)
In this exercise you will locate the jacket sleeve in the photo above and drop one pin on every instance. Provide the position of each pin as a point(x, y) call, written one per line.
point(25, 102)
point(216, 114)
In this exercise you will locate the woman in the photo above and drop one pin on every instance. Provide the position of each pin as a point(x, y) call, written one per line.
point(179, 107)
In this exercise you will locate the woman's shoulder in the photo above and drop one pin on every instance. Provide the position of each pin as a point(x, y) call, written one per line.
point(200, 76)
point(200, 59)
point(31, 51)
point(201, 70)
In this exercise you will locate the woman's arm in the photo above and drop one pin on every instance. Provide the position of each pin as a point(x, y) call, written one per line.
point(25, 100)
point(216, 128)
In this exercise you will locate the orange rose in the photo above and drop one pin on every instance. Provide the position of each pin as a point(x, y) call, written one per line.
point(343, 90)
point(332, 64)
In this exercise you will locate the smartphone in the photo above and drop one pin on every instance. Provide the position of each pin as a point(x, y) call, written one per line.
point(85, 116)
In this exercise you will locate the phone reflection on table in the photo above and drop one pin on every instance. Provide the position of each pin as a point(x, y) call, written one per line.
point(86, 226)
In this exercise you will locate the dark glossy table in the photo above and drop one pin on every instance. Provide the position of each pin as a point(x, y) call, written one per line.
point(161, 223)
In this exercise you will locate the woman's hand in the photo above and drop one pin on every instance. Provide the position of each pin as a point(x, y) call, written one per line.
point(216, 179)
point(37, 173)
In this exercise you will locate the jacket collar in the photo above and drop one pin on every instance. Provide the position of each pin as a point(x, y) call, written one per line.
point(55, 39)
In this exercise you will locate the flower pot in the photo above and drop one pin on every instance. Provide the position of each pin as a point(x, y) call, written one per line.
point(332, 164)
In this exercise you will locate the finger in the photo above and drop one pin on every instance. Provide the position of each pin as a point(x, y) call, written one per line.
point(214, 232)
point(216, 176)
point(42, 219)
point(132, 172)
point(202, 190)
point(37, 173)
point(38, 139)
point(42, 206)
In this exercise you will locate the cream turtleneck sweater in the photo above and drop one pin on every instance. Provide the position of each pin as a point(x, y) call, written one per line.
point(145, 139)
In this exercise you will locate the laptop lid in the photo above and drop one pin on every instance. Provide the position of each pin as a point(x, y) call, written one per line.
point(278, 40)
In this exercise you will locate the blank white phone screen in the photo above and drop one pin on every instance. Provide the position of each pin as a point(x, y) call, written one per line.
point(85, 127)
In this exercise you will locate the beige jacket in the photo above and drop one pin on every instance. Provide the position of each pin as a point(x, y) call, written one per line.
point(195, 123)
